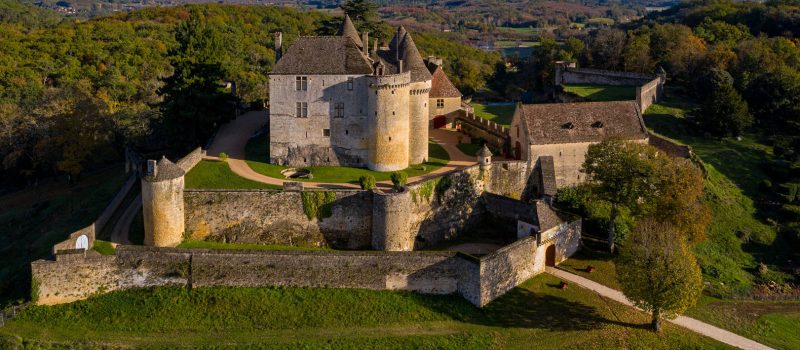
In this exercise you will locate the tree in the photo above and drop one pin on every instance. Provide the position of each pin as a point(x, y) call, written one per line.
point(623, 173)
point(364, 14)
point(194, 96)
point(606, 48)
point(774, 99)
point(678, 202)
point(657, 272)
point(724, 112)
point(545, 57)
point(636, 55)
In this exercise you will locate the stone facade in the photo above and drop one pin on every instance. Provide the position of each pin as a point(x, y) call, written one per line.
point(333, 101)
point(162, 205)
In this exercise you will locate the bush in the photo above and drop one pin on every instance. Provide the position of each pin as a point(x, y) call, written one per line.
point(765, 185)
point(223, 156)
point(399, 179)
point(367, 182)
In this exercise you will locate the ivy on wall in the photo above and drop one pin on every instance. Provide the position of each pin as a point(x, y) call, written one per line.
point(318, 204)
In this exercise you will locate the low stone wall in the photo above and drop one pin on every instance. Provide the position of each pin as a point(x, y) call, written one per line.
point(190, 160)
point(476, 127)
point(504, 210)
point(278, 217)
point(592, 76)
point(74, 275)
point(671, 148)
point(649, 93)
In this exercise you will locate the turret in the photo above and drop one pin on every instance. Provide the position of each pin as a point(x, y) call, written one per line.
point(484, 158)
point(162, 203)
point(389, 122)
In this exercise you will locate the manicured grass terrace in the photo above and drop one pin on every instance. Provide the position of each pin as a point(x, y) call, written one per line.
point(535, 315)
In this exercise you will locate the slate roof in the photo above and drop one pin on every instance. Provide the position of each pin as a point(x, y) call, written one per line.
point(441, 87)
point(342, 54)
point(548, 176)
point(349, 30)
point(484, 151)
point(323, 55)
point(167, 170)
point(548, 217)
point(582, 122)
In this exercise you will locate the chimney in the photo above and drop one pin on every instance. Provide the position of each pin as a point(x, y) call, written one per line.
point(278, 46)
point(399, 66)
point(152, 169)
point(365, 42)
point(375, 48)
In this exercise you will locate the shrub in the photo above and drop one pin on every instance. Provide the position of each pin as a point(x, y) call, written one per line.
point(765, 185)
point(399, 179)
point(223, 156)
point(367, 182)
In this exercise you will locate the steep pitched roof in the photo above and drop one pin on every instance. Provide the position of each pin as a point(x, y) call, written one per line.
point(349, 30)
point(403, 47)
point(548, 217)
point(167, 170)
point(441, 87)
point(582, 122)
point(323, 55)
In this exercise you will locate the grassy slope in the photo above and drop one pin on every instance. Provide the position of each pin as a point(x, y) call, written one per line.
point(772, 323)
point(470, 149)
point(603, 92)
point(738, 235)
point(257, 151)
point(498, 113)
point(35, 219)
point(535, 314)
point(217, 174)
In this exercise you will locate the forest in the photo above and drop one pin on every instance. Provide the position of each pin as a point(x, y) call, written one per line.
point(74, 94)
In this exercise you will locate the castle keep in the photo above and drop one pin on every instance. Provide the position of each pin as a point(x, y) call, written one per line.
point(336, 101)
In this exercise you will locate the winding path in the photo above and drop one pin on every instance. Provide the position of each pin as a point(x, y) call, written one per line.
point(232, 139)
point(683, 321)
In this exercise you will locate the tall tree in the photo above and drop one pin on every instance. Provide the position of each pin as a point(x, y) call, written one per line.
point(606, 48)
point(623, 173)
point(657, 272)
point(194, 96)
point(365, 15)
point(724, 112)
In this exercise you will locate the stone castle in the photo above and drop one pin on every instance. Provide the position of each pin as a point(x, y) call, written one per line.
point(336, 101)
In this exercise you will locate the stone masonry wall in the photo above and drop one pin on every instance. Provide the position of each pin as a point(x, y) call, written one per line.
point(648, 94)
point(190, 160)
point(276, 217)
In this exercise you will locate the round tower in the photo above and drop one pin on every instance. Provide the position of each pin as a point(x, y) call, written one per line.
point(162, 204)
point(418, 117)
point(389, 122)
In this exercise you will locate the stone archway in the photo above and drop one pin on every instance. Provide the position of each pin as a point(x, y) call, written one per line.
point(550, 255)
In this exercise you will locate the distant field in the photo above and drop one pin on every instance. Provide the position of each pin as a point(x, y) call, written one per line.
point(603, 92)
point(500, 113)
point(523, 30)
point(601, 21)
point(537, 314)
point(512, 43)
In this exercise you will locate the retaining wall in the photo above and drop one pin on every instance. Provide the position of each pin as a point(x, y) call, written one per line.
point(669, 147)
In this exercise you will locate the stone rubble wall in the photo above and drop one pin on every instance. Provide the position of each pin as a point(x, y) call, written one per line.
point(190, 160)
point(76, 275)
point(278, 217)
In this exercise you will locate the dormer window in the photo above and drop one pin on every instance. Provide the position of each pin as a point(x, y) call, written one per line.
point(568, 125)
point(301, 83)
point(598, 124)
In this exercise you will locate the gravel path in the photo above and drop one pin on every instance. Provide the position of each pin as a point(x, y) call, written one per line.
point(232, 139)
point(683, 321)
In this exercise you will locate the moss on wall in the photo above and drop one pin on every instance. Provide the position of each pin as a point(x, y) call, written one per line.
point(318, 204)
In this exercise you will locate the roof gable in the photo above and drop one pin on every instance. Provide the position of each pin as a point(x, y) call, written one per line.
point(441, 87)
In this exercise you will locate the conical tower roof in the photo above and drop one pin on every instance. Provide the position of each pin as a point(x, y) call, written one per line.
point(412, 60)
point(349, 30)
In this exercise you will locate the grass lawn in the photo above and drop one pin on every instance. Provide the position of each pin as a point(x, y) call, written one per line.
point(257, 152)
point(470, 149)
point(500, 113)
point(536, 314)
point(212, 174)
point(522, 30)
point(512, 43)
point(772, 323)
point(35, 219)
point(603, 92)
point(195, 244)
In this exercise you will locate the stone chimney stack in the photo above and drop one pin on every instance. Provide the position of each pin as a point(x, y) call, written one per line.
point(399, 66)
point(278, 46)
point(152, 168)
point(365, 42)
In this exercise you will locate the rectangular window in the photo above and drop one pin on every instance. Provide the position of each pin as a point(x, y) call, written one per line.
point(439, 103)
point(301, 83)
point(302, 110)
point(326, 132)
point(338, 110)
point(349, 83)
